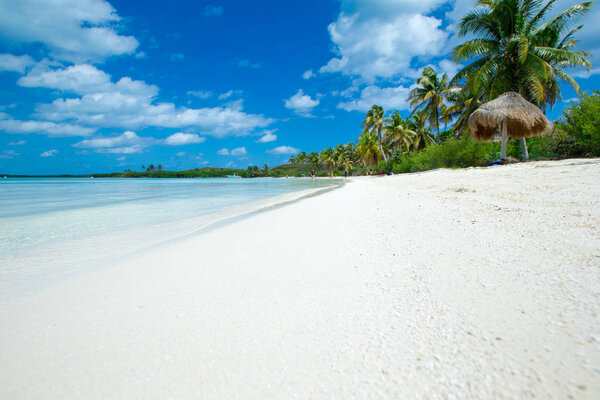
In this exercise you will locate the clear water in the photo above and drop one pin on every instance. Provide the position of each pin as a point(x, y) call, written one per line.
point(52, 228)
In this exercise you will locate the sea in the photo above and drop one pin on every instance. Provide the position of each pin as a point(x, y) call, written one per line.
point(53, 229)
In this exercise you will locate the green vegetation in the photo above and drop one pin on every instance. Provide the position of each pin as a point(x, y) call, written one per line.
point(513, 46)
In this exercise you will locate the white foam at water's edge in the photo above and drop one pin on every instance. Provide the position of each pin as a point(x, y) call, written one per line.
point(89, 241)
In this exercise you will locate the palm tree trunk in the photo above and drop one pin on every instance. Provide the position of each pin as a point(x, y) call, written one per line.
point(381, 147)
point(504, 139)
point(524, 151)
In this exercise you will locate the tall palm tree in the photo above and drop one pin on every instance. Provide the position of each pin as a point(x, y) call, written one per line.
point(515, 50)
point(397, 133)
point(327, 158)
point(313, 160)
point(430, 95)
point(301, 159)
point(368, 149)
point(374, 123)
point(423, 136)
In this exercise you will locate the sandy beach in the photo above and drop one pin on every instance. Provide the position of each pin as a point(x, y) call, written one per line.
point(476, 283)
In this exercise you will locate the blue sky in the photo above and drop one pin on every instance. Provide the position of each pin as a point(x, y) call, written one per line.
point(98, 86)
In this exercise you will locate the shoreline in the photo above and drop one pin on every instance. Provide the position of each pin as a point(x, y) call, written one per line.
point(477, 282)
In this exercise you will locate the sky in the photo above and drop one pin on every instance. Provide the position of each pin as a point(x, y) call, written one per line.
point(90, 86)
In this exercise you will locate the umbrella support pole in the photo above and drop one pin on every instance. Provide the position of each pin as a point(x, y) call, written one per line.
point(524, 151)
point(504, 139)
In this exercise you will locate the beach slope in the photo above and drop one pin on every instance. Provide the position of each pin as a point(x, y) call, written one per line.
point(477, 283)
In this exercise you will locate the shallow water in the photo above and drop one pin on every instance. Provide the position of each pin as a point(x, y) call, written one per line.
point(53, 228)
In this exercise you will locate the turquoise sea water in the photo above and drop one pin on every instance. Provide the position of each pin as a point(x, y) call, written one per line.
point(52, 228)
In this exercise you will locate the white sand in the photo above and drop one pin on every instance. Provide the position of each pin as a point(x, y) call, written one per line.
point(480, 283)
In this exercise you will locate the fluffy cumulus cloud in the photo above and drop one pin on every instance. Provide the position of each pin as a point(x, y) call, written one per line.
point(84, 79)
point(238, 151)
point(180, 138)
point(267, 137)
point(308, 74)
point(48, 128)
point(9, 62)
point(73, 30)
point(126, 143)
point(283, 150)
point(391, 98)
point(130, 104)
point(379, 38)
point(49, 153)
point(301, 103)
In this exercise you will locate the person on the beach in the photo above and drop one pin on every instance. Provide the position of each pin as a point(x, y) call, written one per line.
point(346, 172)
point(312, 174)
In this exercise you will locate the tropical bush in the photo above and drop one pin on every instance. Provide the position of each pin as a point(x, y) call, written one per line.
point(577, 133)
point(453, 153)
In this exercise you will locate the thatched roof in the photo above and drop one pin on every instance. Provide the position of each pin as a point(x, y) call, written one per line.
point(523, 119)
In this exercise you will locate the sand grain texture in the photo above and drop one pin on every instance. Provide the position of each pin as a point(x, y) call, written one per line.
point(478, 283)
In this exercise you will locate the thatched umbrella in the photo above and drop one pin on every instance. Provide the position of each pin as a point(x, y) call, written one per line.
point(511, 114)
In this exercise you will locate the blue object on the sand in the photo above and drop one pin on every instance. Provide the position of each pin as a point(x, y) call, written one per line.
point(497, 162)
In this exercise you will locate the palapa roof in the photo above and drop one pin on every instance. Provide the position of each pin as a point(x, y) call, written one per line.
point(523, 119)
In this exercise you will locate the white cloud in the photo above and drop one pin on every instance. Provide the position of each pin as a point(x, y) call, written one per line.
point(74, 30)
point(130, 105)
point(180, 138)
point(201, 94)
point(126, 143)
point(391, 98)
point(17, 143)
point(267, 137)
point(84, 79)
point(283, 150)
point(239, 151)
point(176, 57)
point(47, 128)
point(122, 158)
point(181, 154)
point(301, 103)
point(308, 74)
point(226, 95)
point(213, 11)
point(8, 154)
point(49, 153)
point(448, 67)
point(379, 38)
point(9, 62)
point(584, 74)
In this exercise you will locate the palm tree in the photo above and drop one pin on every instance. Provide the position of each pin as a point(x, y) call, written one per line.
point(423, 136)
point(515, 50)
point(327, 158)
point(373, 123)
point(313, 160)
point(398, 134)
point(301, 158)
point(430, 96)
point(368, 148)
